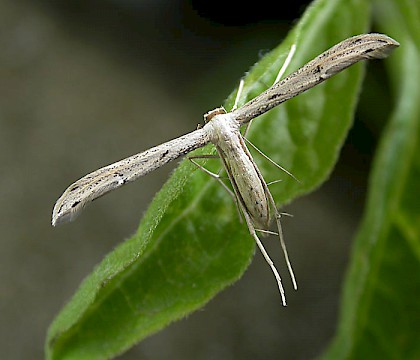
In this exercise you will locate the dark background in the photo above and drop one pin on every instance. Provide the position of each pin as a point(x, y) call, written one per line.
point(86, 83)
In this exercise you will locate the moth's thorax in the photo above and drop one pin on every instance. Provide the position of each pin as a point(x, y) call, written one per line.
point(221, 127)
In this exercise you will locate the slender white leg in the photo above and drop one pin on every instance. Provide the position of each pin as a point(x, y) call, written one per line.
point(286, 63)
point(247, 127)
point(273, 162)
point(269, 232)
point(238, 95)
point(278, 77)
point(282, 242)
point(215, 176)
point(265, 254)
point(273, 182)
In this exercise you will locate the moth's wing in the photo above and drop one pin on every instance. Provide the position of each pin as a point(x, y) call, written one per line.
point(111, 177)
point(329, 63)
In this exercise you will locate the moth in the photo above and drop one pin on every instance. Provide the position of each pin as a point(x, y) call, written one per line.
point(222, 129)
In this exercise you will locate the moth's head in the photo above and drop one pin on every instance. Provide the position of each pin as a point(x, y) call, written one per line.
point(212, 113)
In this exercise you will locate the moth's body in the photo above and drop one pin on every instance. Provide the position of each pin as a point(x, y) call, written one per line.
point(245, 177)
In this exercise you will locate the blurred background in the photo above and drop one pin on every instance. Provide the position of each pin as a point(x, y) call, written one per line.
point(86, 83)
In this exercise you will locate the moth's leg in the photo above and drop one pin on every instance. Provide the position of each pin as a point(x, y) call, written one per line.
point(271, 161)
point(215, 176)
point(273, 182)
point(286, 63)
point(235, 105)
point(278, 78)
point(247, 127)
point(209, 156)
point(268, 232)
point(277, 216)
point(238, 95)
point(265, 254)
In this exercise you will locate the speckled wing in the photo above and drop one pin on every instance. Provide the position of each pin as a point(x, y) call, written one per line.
point(329, 63)
point(111, 177)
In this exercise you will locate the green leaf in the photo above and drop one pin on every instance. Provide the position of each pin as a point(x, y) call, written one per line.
point(190, 244)
point(380, 312)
